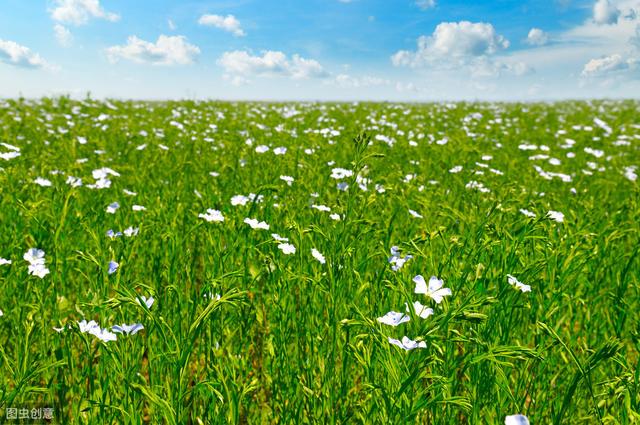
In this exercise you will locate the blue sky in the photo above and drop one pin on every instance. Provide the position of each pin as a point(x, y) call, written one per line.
point(413, 50)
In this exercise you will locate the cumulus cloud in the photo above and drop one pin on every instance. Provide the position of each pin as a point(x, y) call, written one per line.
point(605, 13)
point(167, 50)
point(63, 35)
point(426, 4)
point(537, 37)
point(227, 23)
point(608, 65)
point(13, 53)
point(240, 65)
point(79, 12)
point(453, 41)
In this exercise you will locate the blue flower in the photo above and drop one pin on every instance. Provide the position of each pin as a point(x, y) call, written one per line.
point(113, 267)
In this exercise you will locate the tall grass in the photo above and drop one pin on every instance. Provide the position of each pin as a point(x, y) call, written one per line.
point(292, 340)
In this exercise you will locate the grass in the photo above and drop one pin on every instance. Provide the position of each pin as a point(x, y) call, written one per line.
point(292, 340)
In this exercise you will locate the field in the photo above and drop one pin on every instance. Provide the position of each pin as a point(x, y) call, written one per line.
point(281, 243)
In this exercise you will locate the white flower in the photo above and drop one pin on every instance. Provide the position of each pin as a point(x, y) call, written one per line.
point(407, 344)
point(103, 173)
point(280, 150)
point(516, 420)
point(279, 238)
point(318, 256)
point(128, 329)
point(74, 181)
point(1, 313)
point(415, 214)
point(421, 310)
point(519, 285)
point(131, 231)
point(113, 207)
point(323, 208)
point(94, 329)
point(34, 256)
point(68, 326)
point(595, 152)
point(38, 270)
point(341, 173)
point(396, 260)
point(556, 215)
point(144, 300)
point(104, 335)
point(456, 169)
point(287, 248)
point(527, 213)
point(526, 147)
point(87, 327)
point(630, 173)
point(9, 155)
point(211, 295)
point(239, 200)
point(478, 186)
point(287, 179)
point(262, 148)
point(335, 217)
point(42, 182)
point(4, 261)
point(212, 215)
point(393, 318)
point(435, 289)
point(138, 208)
point(255, 224)
point(36, 260)
point(256, 198)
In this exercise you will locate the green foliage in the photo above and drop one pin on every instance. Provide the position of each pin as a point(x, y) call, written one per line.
point(291, 340)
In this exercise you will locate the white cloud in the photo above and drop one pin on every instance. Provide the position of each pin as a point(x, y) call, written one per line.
point(634, 40)
point(63, 35)
point(426, 4)
point(227, 23)
point(605, 13)
point(608, 66)
point(537, 37)
point(167, 50)
point(605, 38)
point(172, 26)
point(239, 65)
point(406, 87)
point(13, 53)
point(79, 12)
point(348, 81)
point(453, 42)
point(487, 68)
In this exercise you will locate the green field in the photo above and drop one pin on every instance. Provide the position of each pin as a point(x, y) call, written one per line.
point(246, 327)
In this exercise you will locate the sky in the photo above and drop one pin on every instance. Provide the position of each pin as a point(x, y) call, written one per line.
point(343, 50)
